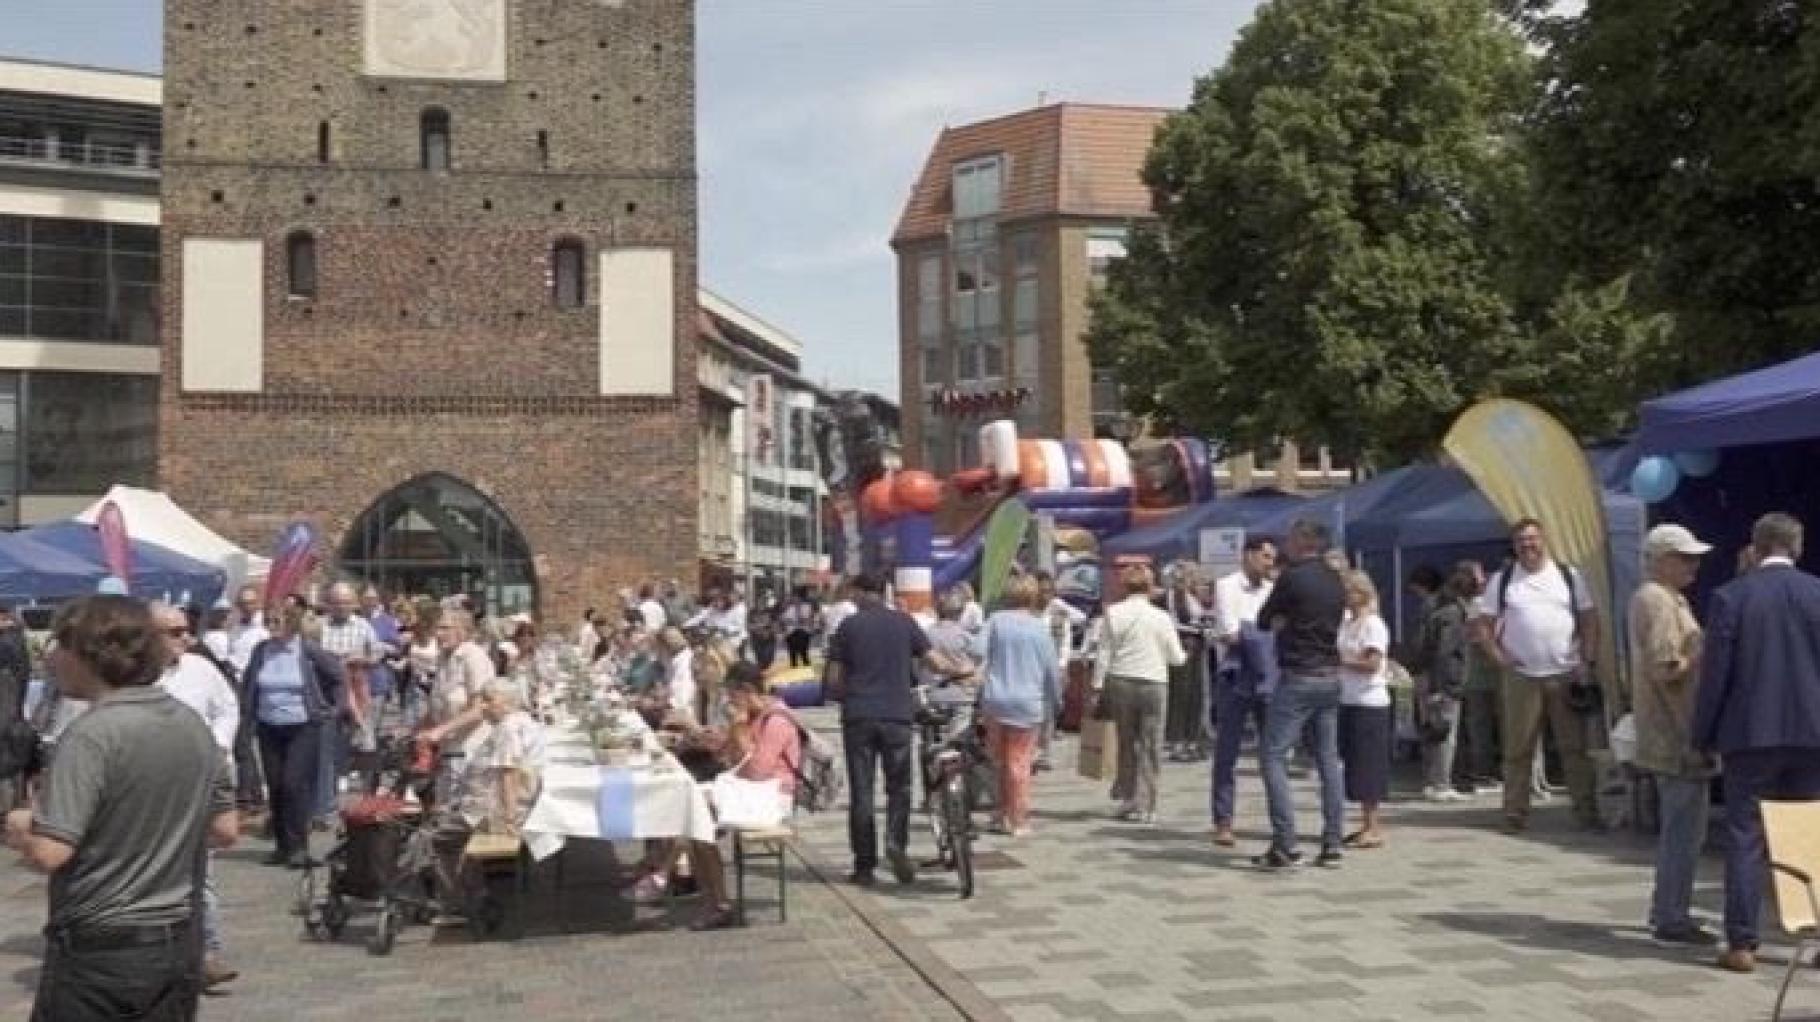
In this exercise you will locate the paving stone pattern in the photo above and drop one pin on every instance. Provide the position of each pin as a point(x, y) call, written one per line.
point(1453, 920)
point(1088, 919)
point(823, 964)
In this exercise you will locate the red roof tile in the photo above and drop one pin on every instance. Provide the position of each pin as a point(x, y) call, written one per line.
point(1068, 158)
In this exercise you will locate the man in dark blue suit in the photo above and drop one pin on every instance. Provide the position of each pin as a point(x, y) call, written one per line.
point(1759, 710)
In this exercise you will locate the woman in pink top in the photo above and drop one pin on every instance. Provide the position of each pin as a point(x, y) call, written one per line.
point(764, 742)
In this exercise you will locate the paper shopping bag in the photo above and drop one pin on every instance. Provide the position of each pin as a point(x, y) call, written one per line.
point(1099, 749)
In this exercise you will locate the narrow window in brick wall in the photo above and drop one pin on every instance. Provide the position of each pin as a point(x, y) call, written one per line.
point(300, 264)
point(433, 131)
point(569, 274)
point(543, 149)
point(322, 142)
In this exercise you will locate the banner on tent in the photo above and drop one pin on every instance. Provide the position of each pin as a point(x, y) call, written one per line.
point(1222, 550)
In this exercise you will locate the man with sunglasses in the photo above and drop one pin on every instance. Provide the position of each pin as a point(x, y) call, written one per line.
point(190, 679)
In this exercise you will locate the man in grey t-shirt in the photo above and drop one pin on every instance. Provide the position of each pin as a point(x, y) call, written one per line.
point(135, 790)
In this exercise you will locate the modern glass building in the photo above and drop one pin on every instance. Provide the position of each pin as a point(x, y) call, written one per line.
point(79, 356)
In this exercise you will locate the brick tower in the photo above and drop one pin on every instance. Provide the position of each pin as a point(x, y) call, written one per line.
point(430, 269)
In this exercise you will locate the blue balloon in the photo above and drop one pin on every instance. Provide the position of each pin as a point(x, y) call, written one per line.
point(1697, 464)
point(1654, 479)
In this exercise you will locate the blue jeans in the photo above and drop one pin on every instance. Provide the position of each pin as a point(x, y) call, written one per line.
point(1232, 709)
point(1752, 775)
point(1683, 831)
point(1299, 701)
point(870, 745)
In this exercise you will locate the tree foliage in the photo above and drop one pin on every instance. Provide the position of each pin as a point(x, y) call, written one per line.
point(1675, 145)
point(1328, 258)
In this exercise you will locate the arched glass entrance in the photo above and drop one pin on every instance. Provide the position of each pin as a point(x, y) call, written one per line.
point(437, 536)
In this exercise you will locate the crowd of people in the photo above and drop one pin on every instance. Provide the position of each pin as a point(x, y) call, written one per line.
point(294, 701)
point(1291, 651)
point(169, 728)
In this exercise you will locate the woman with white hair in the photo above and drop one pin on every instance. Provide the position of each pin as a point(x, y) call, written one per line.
point(1365, 714)
point(497, 785)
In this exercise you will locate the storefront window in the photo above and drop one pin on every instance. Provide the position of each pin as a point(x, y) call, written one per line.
point(86, 431)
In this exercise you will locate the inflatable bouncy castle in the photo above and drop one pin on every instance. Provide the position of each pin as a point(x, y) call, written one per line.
point(1089, 489)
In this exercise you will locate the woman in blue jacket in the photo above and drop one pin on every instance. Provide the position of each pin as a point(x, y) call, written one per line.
point(1022, 682)
point(294, 688)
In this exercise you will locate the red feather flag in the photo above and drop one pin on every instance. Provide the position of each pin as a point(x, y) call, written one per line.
point(116, 549)
point(292, 562)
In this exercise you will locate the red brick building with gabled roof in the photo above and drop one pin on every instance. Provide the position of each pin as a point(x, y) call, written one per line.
point(1004, 235)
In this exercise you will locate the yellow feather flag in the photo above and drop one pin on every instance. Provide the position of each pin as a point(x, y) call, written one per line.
point(1529, 466)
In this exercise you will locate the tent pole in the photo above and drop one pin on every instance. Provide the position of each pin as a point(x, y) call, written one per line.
point(1396, 588)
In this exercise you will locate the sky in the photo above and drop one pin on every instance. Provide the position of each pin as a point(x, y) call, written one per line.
point(814, 118)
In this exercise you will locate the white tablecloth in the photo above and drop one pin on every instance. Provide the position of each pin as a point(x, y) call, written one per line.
point(581, 799)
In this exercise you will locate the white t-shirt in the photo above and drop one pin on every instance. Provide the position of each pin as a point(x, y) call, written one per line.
point(1140, 642)
point(840, 611)
point(1536, 629)
point(654, 615)
point(682, 683)
point(1237, 601)
point(1358, 634)
point(973, 617)
point(195, 683)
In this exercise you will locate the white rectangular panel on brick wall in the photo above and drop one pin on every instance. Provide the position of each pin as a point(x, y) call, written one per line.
point(637, 322)
point(223, 315)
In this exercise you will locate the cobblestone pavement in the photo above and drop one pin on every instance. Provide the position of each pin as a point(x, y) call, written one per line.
point(1092, 919)
point(1088, 919)
point(823, 964)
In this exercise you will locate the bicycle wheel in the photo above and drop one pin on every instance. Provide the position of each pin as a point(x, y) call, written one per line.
point(938, 828)
point(960, 831)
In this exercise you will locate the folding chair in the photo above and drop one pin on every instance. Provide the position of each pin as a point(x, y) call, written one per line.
point(770, 843)
point(1793, 830)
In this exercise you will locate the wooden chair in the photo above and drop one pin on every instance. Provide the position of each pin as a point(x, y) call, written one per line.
point(496, 858)
point(768, 843)
point(1793, 830)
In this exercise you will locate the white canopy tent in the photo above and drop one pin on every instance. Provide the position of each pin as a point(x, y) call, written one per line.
point(152, 516)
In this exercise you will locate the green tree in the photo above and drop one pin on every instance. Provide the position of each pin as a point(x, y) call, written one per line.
point(1675, 147)
point(1328, 258)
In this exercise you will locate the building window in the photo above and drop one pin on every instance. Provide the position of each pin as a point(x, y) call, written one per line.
point(543, 149)
point(569, 274)
point(86, 431)
point(1105, 246)
point(300, 264)
point(929, 321)
point(977, 187)
point(1025, 288)
point(802, 452)
point(322, 142)
point(929, 298)
point(438, 536)
point(1026, 352)
point(78, 280)
point(433, 132)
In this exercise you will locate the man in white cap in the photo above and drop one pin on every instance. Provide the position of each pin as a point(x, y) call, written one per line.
point(1665, 665)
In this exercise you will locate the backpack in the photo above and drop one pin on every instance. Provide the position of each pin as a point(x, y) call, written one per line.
point(1567, 576)
point(1583, 696)
point(818, 778)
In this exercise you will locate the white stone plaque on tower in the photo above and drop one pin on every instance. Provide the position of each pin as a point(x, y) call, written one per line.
point(461, 40)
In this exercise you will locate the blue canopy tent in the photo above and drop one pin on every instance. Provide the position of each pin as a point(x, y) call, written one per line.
point(1765, 426)
point(1180, 536)
point(158, 572)
point(1340, 509)
point(31, 571)
point(1771, 405)
point(1438, 517)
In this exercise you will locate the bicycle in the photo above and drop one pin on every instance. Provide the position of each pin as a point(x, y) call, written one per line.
point(953, 761)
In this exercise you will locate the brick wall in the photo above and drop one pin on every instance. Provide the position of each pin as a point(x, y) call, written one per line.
point(432, 344)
